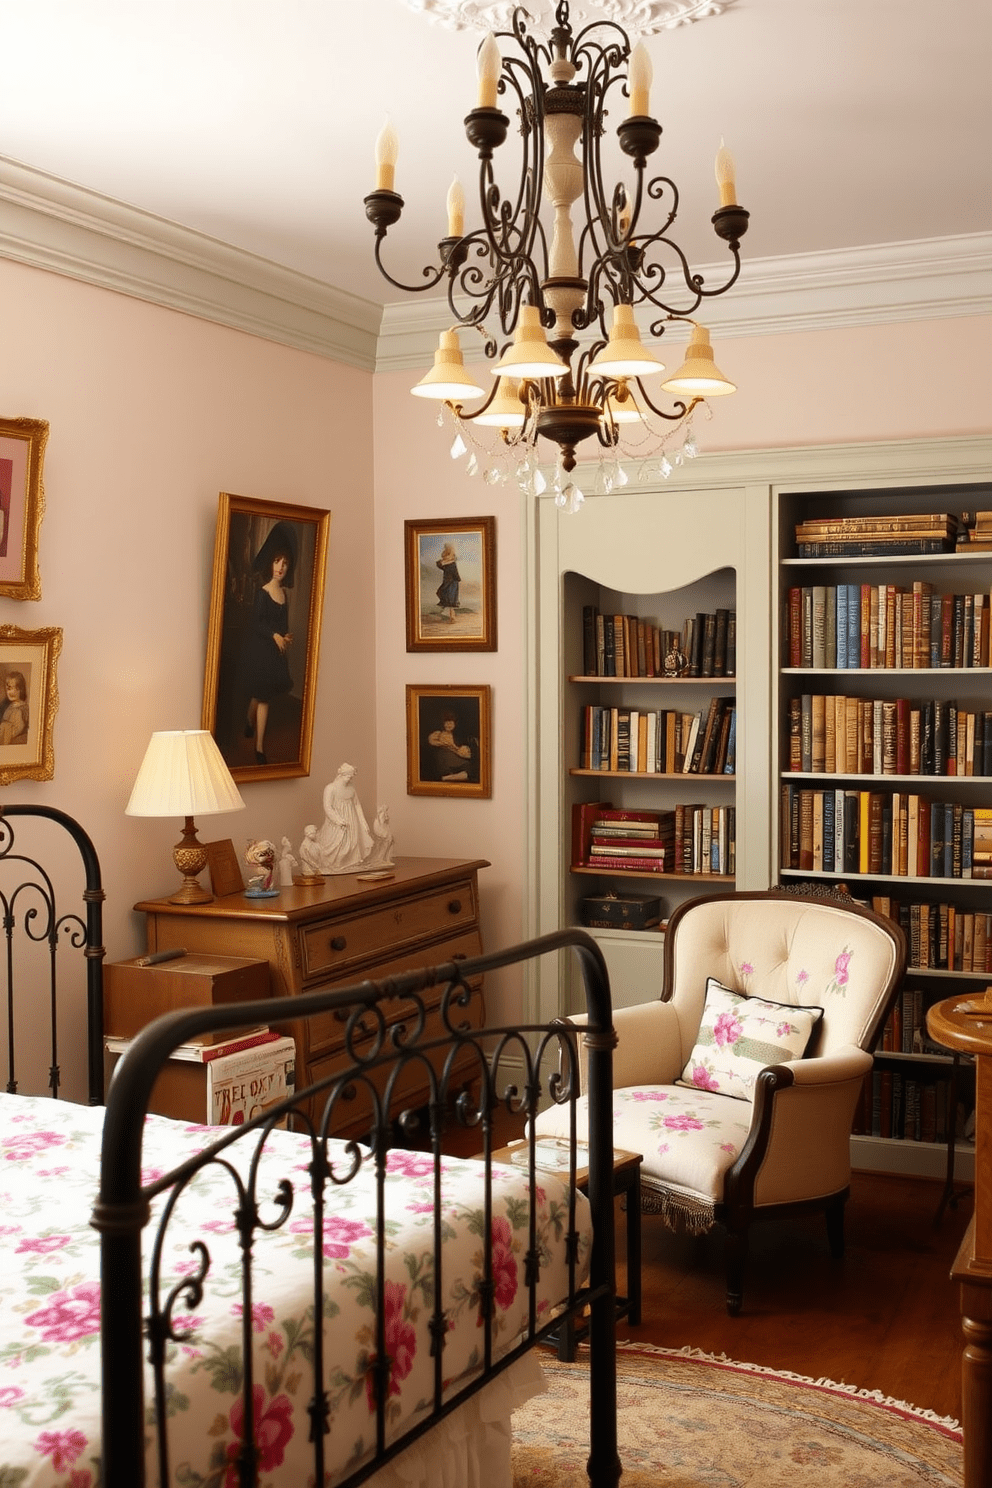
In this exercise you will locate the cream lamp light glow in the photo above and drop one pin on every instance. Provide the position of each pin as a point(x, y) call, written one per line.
point(183, 774)
point(699, 376)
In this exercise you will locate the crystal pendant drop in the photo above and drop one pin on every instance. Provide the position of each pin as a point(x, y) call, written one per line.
point(458, 447)
point(540, 484)
point(440, 419)
point(491, 475)
point(666, 466)
point(650, 472)
point(604, 482)
point(473, 465)
point(620, 477)
point(571, 498)
point(690, 448)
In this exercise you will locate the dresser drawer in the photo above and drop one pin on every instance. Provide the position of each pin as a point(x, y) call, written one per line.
point(324, 1032)
point(411, 1090)
point(340, 943)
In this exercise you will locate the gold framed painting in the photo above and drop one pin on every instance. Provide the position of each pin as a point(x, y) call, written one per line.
point(263, 643)
point(451, 584)
point(22, 505)
point(449, 741)
point(29, 700)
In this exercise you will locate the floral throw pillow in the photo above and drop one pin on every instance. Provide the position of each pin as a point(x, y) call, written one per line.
point(739, 1036)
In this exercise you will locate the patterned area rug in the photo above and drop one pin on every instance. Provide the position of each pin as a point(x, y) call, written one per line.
point(692, 1420)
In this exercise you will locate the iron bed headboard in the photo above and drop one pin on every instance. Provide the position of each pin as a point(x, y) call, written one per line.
point(33, 899)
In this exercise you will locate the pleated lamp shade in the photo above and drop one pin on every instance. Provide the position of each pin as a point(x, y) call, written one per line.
point(623, 355)
point(183, 774)
point(699, 376)
point(448, 380)
point(530, 355)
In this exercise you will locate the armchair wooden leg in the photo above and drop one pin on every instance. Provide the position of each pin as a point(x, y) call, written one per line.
point(835, 1226)
point(736, 1259)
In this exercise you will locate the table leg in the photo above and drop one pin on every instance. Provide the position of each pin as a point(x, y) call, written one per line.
point(634, 1250)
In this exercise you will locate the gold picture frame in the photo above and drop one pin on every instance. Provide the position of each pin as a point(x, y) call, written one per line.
point(451, 584)
point(449, 741)
point(22, 505)
point(29, 700)
point(260, 682)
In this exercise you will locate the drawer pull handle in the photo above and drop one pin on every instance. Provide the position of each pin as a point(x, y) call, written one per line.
point(459, 956)
point(338, 943)
point(454, 906)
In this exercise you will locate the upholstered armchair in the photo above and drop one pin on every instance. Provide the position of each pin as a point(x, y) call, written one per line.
point(739, 1086)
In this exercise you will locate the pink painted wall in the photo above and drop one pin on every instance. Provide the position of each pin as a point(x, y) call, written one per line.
point(152, 414)
point(828, 387)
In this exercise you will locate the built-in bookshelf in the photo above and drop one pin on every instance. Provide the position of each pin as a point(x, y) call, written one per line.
point(884, 707)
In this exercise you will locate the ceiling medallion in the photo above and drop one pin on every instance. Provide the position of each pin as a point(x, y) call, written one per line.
point(638, 17)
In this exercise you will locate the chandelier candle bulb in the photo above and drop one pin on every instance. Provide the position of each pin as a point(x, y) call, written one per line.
point(639, 76)
point(386, 150)
point(725, 177)
point(456, 209)
point(489, 65)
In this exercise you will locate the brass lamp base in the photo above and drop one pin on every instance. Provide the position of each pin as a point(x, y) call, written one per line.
point(190, 857)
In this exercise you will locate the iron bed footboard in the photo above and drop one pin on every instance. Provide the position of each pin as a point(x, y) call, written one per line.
point(376, 1050)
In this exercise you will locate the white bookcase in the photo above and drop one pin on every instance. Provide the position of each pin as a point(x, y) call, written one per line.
point(718, 529)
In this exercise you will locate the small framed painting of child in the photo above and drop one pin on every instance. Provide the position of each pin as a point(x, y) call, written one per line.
point(449, 741)
point(451, 584)
point(22, 504)
point(29, 700)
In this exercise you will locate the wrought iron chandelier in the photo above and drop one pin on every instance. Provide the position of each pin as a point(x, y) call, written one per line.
point(546, 384)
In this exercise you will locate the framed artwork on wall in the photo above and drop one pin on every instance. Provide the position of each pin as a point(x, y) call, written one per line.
point(451, 585)
point(263, 641)
point(448, 741)
point(22, 505)
point(29, 700)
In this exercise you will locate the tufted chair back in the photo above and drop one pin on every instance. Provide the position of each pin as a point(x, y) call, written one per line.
point(809, 952)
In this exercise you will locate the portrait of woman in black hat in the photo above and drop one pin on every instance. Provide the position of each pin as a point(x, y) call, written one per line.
point(270, 637)
point(264, 638)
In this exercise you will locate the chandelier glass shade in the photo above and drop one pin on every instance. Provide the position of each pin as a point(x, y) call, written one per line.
point(554, 299)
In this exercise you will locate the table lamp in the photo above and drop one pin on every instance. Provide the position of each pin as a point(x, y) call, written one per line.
point(183, 774)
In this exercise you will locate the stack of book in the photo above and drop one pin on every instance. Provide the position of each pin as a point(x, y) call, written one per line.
point(641, 840)
point(629, 646)
point(975, 535)
point(877, 536)
point(692, 839)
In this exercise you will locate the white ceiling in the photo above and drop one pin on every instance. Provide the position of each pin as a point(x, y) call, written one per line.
point(853, 122)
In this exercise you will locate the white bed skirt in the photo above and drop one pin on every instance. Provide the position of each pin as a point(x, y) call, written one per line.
point(471, 1447)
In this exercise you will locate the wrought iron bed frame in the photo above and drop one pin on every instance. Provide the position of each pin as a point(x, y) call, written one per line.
point(377, 1051)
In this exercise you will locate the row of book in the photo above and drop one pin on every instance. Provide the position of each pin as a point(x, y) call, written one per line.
point(878, 535)
point(975, 533)
point(910, 1107)
point(691, 839)
point(905, 1030)
point(661, 741)
point(628, 646)
point(892, 833)
point(941, 936)
point(871, 626)
point(835, 734)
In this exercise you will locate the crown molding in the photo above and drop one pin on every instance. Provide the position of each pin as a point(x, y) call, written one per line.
point(52, 224)
point(929, 279)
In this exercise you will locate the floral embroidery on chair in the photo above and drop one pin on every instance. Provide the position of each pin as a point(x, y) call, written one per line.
point(837, 986)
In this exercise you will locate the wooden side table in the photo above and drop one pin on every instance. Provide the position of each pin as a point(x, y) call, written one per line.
point(627, 1181)
point(961, 1023)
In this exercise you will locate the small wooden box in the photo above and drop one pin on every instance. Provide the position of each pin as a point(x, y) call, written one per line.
point(621, 912)
point(134, 995)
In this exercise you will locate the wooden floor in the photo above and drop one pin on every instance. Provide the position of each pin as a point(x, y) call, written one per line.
point(883, 1318)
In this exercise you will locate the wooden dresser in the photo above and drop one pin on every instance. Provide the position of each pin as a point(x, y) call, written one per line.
point(333, 934)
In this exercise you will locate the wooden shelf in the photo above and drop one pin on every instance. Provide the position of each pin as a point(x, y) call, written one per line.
point(647, 774)
point(713, 683)
point(719, 878)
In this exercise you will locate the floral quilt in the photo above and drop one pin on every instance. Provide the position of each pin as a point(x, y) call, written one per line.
point(50, 1298)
